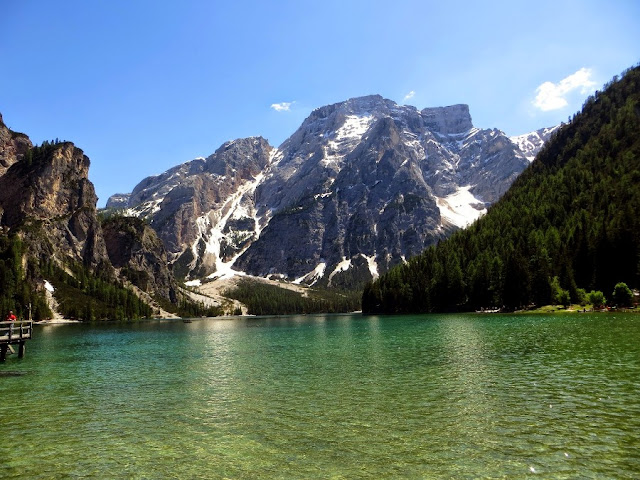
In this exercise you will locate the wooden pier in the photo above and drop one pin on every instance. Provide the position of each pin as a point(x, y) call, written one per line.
point(14, 333)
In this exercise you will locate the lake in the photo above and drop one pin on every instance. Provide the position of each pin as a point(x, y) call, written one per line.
point(432, 396)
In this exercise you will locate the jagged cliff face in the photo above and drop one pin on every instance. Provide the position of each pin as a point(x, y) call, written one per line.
point(136, 251)
point(360, 186)
point(47, 190)
point(13, 146)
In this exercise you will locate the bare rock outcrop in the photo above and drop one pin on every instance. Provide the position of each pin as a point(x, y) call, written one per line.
point(45, 191)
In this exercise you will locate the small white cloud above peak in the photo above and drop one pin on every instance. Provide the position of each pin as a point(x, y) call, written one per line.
point(552, 96)
point(409, 96)
point(282, 107)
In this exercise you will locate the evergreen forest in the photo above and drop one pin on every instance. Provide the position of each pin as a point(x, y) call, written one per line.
point(16, 294)
point(91, 296)
point(264, 299)
point(571, 221)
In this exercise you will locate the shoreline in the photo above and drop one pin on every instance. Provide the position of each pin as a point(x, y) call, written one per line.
point(56, 321)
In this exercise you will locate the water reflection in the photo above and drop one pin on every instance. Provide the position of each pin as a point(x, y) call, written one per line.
point(465, 346)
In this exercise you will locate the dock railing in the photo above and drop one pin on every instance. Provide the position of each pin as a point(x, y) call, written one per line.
point(14, 333)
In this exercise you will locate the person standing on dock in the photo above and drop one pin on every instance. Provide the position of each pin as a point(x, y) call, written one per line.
point(10, 317)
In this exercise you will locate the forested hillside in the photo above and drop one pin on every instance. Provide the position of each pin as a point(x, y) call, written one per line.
point(263, 299)
point(573, 214)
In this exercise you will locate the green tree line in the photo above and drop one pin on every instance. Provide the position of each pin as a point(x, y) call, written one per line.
point(573, 214)
point(264, 299)
point(16, 294)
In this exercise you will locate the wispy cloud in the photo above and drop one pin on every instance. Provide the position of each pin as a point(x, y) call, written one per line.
point(282, 107)
point(409, 95)
point(552, 96)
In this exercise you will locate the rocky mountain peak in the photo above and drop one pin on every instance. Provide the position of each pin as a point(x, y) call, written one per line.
point(368, 104)
point(245, 157)
point(353, 114)
point(354, 106)
point(13, 146)
point(118, 200)
point(450, 120)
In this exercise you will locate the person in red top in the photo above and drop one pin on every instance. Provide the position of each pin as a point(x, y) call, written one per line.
point(11, 317)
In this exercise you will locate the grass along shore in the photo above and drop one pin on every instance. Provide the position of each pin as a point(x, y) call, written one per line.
point(575, 308)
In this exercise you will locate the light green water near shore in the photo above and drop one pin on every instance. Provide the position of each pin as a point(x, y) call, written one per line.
point(451, 396)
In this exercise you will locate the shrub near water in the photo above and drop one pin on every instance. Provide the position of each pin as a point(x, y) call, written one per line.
point(622, 295)
point(596, 298)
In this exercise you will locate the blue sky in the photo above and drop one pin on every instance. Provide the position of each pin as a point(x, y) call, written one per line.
point(142, 86)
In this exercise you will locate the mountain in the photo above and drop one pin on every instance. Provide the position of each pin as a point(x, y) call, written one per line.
point(570, 222)
point(54, 252)
point(361, 186)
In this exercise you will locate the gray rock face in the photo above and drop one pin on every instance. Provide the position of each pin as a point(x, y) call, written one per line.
point(450, 120)
point(118, 200)
point(203, 210)
point(361, 185)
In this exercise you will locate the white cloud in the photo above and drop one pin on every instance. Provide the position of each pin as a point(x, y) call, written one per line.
point(282, 107)
point(552, 96)
point(409, 95)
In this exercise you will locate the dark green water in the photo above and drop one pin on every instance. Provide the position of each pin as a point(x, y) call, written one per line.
point(454, 396)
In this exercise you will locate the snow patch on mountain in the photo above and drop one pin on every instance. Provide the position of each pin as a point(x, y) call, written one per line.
point(275, 156)
point(343, 266)
point(145, 209)
point(461, 208)
point(531, 143)
point(372, 264)
point(212, 228)
point(345, 138)
point(313, 276)
point(354, 127)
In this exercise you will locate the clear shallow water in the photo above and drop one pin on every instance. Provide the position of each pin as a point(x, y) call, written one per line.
point(453, 396)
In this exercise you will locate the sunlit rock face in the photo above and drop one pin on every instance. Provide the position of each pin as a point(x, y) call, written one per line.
point(45, 193)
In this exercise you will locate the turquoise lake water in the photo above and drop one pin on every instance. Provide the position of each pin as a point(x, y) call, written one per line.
point(434, 396)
